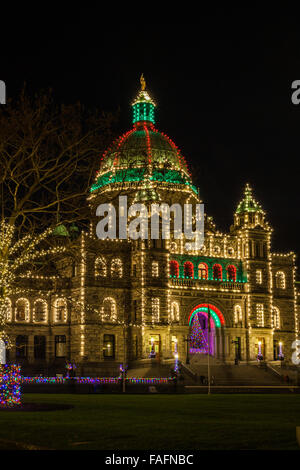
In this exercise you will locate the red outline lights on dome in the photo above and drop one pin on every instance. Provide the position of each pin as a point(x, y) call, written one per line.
point(148, 144)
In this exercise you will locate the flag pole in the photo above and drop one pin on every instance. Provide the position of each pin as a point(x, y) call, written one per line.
point(208, 342)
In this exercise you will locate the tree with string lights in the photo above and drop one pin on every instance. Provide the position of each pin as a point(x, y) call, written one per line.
point(48, 158)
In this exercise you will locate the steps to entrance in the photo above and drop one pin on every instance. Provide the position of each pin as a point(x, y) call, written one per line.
point(244, 375)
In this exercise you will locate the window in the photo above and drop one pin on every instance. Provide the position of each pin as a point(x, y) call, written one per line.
point(238, 314)
point(264, 250)
point(109, 346)
point(231, 273)
point(155, 271)
point(22, 310)
point(258, 276)
point(276, 318)
point(202, 271)
point(135, 308)
point(260, 315)
point(109, 310)
point(21, 346)
point(174, 311)
point(257, 250)
point(74, 269)
point(134, 270)
point(230, 251)
point(60, 346)
point(217, 272)
point(116, 269)
point(217, 250)
point(100, 267)
point(60, 311)
point(40, 347)
point(40, 311)
point(174, 345)
point(280, 280)
point(188, 268)
point(174, 269)
point(155, 309)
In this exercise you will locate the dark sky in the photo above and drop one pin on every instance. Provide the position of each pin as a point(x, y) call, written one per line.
point(222, 85)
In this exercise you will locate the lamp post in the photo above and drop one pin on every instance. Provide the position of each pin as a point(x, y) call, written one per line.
point(176, 356)
point(208, 344)
point(124, 361)
point(187, 340)
point(236, 359)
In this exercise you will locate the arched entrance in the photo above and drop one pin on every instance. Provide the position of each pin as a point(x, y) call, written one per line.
point(205, 324)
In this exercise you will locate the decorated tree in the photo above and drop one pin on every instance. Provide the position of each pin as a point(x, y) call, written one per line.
point(198, 342)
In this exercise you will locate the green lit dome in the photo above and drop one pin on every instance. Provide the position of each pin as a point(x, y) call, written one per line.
point(143, 153)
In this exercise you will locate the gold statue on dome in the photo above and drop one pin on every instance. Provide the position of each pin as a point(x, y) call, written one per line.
point(143, 82)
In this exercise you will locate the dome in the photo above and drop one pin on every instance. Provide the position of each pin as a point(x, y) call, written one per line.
point(143, 153)
point(142, 147)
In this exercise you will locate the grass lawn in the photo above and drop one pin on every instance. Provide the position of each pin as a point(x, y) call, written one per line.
point(170, 422)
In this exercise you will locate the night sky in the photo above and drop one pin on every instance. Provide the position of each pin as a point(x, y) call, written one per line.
point(223, 91)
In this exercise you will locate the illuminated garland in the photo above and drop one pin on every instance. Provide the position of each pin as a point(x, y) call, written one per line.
point(95, 380)
point(137, 175)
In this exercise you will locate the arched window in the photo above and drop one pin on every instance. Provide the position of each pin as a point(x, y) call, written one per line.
point(174, 269)
point(60, 310)
point(109, 310)
point(155, 309)
point(40, 311)
point(116, 269)
point(174, 311)
point(22, 310)
point(202, 271)
point(276, 318)
point(155, 270)
point(260, 316)
point(8, 310)
point(217, 272)
point(100, 267)
point(280, 280)
point(231, 273)
point(188, 269)
point(237, 314)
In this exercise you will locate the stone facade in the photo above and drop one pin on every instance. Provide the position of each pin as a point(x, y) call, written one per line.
point(124, 300)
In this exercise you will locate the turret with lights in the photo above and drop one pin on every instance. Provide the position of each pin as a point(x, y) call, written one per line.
point(249, 213)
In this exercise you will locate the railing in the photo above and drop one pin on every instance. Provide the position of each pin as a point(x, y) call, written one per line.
point(205, 282)
point(274, 371)
point(188, 371)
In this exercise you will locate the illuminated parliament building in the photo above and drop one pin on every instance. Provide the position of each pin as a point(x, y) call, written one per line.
point(133, 301)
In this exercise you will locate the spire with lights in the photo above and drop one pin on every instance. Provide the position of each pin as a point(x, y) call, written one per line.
point(249, 212)
point(248, 203)
point(143, 106)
